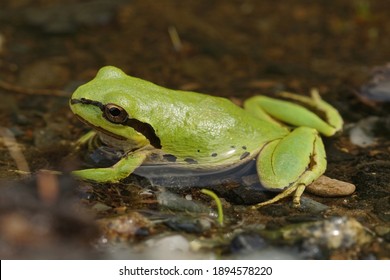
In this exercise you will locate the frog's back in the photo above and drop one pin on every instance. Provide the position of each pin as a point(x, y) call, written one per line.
point(193, 127)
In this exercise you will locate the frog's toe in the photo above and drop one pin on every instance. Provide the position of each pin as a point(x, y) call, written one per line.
point(280, 196)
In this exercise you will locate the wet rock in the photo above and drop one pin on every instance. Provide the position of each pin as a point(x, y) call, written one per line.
point(125, 227)
point(312, 206)
point(251, 245)
point(191, 216)
point(100, 207)
point(327, 187)
point(322, 236)
point(172, 201)
point(362, 134)
point(159, 247)
point(247, 242)
point(169, 244)
point(284, 208)
point(243, 193)
point(189, 224)
point(167, 247)
point(378, 88)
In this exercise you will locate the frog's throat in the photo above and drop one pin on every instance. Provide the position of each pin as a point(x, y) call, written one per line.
point(144, 128)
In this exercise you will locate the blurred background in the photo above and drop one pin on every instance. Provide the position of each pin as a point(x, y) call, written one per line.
point(234, 49)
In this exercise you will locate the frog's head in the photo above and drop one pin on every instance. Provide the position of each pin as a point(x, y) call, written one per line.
point(110, 105)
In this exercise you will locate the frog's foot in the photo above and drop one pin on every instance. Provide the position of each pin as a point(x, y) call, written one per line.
point(291, 163)
point(298, 115)
point(122, 169)
point(296, 189)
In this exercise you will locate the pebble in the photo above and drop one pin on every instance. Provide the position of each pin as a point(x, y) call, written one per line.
point(247, 242)
point(172, 201)
point(174, 247)
point(312, 206)
point(125, 227)
point(327, 187)
point(378, 88)
point(188, 224)
point(100, 207)
point(362, 133)
point(332, 233)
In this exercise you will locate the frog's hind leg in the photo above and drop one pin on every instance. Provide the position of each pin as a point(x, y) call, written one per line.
point(331, 115)
point(274, 110)
point(291, 163)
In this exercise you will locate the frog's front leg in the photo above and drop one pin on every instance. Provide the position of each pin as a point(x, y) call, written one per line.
point(122, 169)
point(291, 163)
point(83, 140)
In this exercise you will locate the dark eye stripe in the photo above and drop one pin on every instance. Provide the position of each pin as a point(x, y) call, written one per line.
point(87, 102)
point(144, 128)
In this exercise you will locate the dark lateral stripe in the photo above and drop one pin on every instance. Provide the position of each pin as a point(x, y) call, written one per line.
point(146, 130)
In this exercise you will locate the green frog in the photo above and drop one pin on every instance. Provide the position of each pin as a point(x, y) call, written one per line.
point(195, 131)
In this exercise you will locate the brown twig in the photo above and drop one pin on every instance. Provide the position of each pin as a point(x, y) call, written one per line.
point(14, 88)
point(14, 150)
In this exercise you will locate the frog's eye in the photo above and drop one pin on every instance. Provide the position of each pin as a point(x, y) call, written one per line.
point(115, 114)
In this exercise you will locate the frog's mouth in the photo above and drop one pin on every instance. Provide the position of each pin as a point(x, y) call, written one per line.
point(144, 128)
point(100, 129)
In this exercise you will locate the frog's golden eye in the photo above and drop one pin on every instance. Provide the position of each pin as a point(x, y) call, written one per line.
point(115, 114)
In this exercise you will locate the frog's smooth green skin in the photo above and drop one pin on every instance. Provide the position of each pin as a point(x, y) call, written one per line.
point(196, 131)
